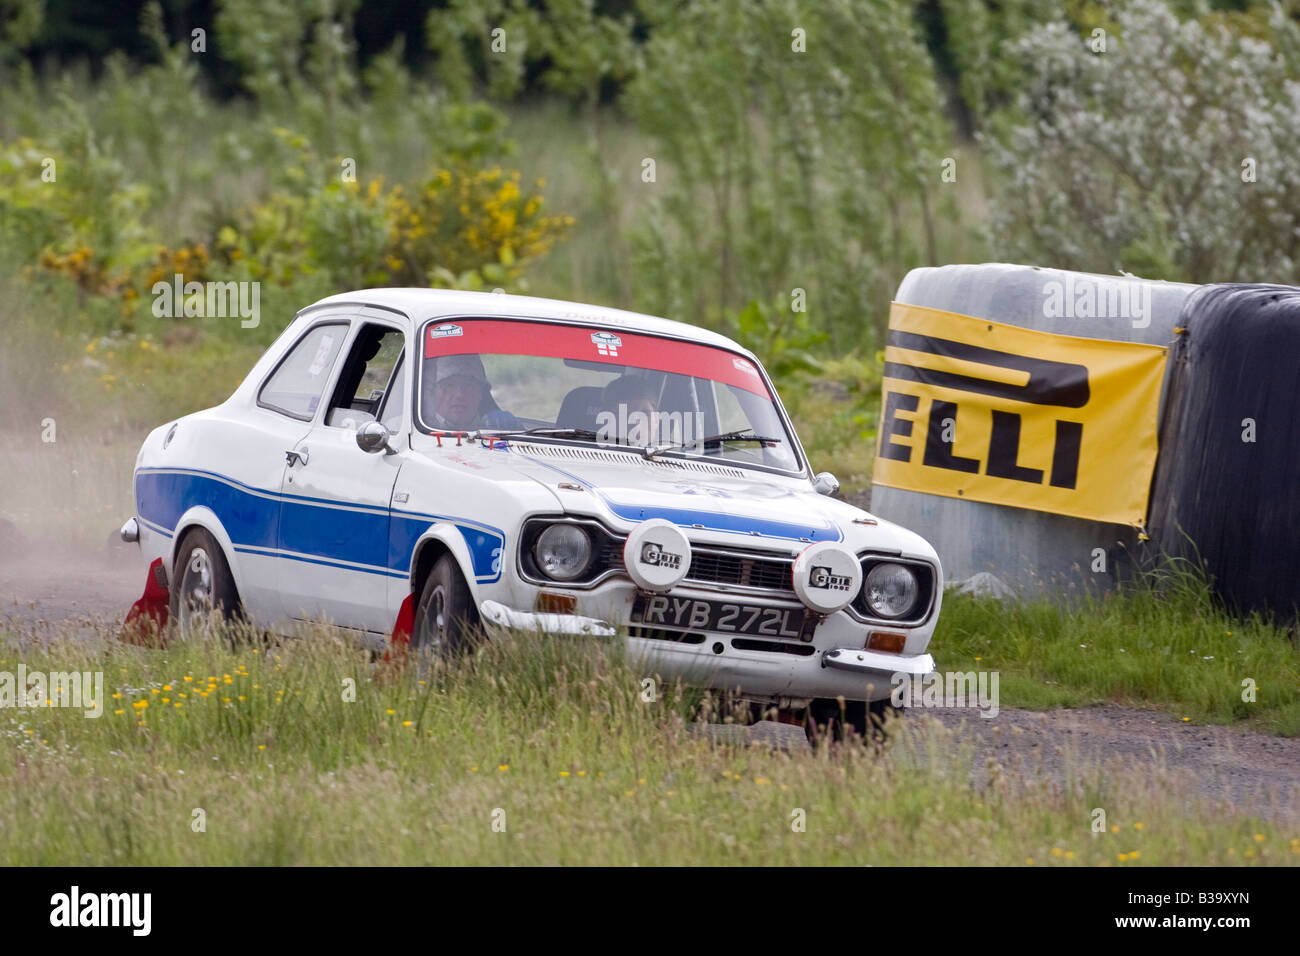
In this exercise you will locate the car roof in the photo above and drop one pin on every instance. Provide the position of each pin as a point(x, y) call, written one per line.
point(421, 304)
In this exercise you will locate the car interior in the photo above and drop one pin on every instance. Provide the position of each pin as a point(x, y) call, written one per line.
point(373, 369)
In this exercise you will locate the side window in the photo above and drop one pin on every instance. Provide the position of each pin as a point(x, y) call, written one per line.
point(296, 386)
point(365, 378)
point(392, 412)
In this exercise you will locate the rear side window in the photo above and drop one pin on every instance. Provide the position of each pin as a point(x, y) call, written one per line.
point(296, 385)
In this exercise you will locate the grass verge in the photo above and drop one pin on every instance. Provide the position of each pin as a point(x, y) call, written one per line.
point(535, 752)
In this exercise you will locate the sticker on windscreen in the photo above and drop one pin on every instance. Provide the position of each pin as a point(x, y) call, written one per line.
point(607, 343)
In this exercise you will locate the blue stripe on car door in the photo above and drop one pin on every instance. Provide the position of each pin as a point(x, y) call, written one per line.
point(315, 529)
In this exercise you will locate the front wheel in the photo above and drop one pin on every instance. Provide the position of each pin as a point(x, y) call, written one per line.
point(202, 586)
point(843, 718)
point(446, 620)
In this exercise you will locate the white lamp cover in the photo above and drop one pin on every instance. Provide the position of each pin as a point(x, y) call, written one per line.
point(827, 576)
point(657, 555)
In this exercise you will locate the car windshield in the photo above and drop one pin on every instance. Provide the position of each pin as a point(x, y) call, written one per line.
point(567, 382)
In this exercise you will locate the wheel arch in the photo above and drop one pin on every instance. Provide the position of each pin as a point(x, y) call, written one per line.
point(202, 517)
point(441, 538)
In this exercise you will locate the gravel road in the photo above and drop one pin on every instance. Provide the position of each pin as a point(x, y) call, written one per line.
point(1243, 770)
point(66, 588)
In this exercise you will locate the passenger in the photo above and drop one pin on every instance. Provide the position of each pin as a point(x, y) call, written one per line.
point(630, 412)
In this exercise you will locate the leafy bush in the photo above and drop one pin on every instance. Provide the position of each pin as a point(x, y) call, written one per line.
point(783, 337)
point(978, 35)
point(73, 211)
point(462, 226)
point(468, 221)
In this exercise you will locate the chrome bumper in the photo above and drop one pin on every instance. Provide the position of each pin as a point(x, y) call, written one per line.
point(575, 624)
point(852, 659)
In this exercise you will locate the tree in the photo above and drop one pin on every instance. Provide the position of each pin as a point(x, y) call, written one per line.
point(798, 146)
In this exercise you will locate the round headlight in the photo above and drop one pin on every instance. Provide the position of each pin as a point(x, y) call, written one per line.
point(562, 551)
point(890, 590)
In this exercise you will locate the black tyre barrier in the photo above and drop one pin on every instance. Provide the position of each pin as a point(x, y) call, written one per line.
point(1226, 492)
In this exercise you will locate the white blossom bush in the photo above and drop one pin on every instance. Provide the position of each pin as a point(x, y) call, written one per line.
point(1173, 154)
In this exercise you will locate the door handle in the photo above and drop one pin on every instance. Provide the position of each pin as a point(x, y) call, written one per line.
point(296, 456)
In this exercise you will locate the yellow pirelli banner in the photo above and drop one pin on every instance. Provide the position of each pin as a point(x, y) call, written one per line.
point(984, 411)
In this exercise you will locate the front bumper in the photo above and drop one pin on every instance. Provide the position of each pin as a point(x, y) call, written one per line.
point(835, 672)
point(875, 662)
point(834, 663)
point(575, 624)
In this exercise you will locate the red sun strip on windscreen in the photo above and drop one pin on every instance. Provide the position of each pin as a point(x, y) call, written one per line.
point(504, 337)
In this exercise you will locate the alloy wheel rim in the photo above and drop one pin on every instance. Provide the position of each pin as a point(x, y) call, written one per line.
point(438, 616)
point(195, 590)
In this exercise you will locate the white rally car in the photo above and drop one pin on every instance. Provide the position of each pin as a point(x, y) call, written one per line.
point(426, 464)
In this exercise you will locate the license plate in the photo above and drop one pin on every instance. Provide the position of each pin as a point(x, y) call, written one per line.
point(693, 614)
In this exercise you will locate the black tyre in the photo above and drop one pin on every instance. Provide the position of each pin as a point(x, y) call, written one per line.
point(446, 620)
point(202, 587)
point(841, 719)
point(881, 711)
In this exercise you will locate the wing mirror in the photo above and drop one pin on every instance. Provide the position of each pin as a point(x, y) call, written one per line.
point(825, 483)
point(373, 437)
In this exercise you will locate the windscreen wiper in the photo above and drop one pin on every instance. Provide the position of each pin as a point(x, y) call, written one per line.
point(552, 432)
point(746, 434)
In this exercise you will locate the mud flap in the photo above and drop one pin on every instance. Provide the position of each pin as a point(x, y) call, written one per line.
point(147, 619)
point(399, 645)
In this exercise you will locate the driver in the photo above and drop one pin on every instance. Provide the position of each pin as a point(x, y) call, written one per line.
point(462, 397)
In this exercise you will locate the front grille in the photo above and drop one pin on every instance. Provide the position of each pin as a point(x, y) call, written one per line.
point(763, 572)
point(610, 554)
point(740, 569)
point(733, 568)
point(710, 566)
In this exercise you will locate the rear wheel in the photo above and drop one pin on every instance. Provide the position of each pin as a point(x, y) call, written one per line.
point(202, 587)
point(446, 620)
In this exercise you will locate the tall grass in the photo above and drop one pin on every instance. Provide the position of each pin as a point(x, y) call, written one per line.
point(536, 751)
